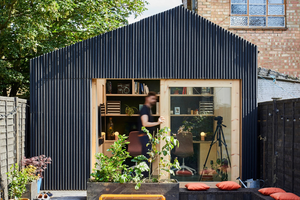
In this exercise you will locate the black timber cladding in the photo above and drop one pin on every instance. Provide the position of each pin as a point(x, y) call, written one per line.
point(175, 44)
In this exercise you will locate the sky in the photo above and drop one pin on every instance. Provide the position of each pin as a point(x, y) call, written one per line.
point(154, 7)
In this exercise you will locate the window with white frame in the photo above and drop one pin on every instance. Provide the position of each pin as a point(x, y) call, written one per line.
point(257, 13)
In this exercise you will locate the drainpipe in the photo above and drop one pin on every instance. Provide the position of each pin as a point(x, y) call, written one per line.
point(194, 6)
point(190, 4)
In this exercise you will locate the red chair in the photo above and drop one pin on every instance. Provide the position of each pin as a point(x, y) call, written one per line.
point(135, 146)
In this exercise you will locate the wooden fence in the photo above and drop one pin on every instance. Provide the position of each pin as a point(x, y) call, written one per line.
point(279, 143)
point(12, 136)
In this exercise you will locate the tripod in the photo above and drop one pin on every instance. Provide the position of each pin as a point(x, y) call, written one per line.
point(219, 135)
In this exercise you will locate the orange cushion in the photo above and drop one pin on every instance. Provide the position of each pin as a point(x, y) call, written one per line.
point(270, 190)
point(228, 185)
point(183, 173)
point(285, 196)
point(197, 186)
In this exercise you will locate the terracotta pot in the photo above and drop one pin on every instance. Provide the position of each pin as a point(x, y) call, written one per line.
point(207, 178)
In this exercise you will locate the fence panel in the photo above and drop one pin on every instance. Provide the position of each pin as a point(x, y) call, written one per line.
point(279, 145)
point(12, 136)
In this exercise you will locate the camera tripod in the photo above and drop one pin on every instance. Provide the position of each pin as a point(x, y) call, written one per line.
point(219, 135)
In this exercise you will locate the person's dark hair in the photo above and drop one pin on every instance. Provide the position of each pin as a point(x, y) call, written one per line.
point(151, 94)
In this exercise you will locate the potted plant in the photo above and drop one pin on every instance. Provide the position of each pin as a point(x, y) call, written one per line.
point(129, 110)
point(17, 181)
point(218, 170)
point(31, 186)
point(111, 175)
point(40, 163)
point(177, 90)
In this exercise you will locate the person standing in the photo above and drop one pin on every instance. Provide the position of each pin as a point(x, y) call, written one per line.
point(146, 120)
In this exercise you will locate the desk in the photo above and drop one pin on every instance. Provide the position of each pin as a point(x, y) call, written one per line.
point(203, 150)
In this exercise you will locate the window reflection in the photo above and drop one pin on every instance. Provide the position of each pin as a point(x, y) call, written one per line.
point(194, 120)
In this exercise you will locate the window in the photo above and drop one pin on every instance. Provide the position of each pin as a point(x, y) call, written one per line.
point(257, 13)
point(197, 116)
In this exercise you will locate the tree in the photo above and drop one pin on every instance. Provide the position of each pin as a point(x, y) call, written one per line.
point(29, 28)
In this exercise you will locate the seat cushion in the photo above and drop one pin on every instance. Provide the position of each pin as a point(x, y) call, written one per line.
point(197, 186)
point(228, 185)
point(285, 196)
point(184, 173)
point(270, 190)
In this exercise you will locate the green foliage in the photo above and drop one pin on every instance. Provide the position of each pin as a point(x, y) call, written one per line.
point(30, 28)
point(169, 142)
point(198, 124)
point(113, 169)
point(17, 181)
point(221, 168)
point(129, 110)
point(32, 176)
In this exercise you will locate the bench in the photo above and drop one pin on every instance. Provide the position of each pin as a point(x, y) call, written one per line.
point(217, 194)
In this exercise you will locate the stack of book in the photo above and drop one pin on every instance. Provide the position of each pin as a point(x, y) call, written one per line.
point(113, 107)
point(206, 108)
point(140, 88)
point(102, 107)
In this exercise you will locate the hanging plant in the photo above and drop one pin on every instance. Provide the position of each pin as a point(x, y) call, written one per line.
point(129, 110)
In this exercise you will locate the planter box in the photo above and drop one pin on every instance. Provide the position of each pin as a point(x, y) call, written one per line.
point(96, 189)
point(31, 191)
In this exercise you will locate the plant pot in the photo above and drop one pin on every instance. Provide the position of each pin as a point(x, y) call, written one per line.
point(207, 178)
point(20, 199)
point(31, 191)
point(176, 92)
point(96, 189)
point(39, 183)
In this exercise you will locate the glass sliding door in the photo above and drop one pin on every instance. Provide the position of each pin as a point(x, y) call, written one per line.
point(201, 119)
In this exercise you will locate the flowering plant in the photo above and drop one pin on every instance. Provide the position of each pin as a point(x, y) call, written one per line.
point(219, 169)
point(184, 130)
point(39, 162)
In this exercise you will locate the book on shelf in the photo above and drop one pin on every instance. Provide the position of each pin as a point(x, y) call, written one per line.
point(206, 107)
point(140, 88)
point(102, 108)
point(113, 107)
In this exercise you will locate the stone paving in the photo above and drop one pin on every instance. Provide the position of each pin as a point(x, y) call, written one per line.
point(68, 195)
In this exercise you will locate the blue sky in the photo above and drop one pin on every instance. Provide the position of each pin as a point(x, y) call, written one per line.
point(154, 7)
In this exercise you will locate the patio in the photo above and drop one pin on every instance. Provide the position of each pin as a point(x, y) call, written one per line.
point(213, 193)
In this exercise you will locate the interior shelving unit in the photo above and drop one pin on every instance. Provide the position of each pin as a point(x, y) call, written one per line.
point(123, 123)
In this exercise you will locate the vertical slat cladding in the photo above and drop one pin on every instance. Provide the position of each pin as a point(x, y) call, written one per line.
point(176, 44)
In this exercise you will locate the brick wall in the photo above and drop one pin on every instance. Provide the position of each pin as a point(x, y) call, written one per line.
point(12, 148)
point(278, 49)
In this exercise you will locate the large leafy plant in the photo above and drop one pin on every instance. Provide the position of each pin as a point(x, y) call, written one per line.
point(168, 142)
point(17, 181)
point(39, 162)
point(113, 169)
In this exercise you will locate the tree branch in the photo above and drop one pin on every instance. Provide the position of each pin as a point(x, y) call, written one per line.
point(9, 16)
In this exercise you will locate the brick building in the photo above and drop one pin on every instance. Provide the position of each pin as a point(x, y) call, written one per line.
point(272, 25)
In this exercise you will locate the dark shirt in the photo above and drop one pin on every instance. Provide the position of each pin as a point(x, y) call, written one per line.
point(146, 111)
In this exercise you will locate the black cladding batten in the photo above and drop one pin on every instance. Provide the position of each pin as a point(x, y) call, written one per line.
point(175, 44)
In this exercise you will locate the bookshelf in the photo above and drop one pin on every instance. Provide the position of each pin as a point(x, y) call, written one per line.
point(129, 92)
